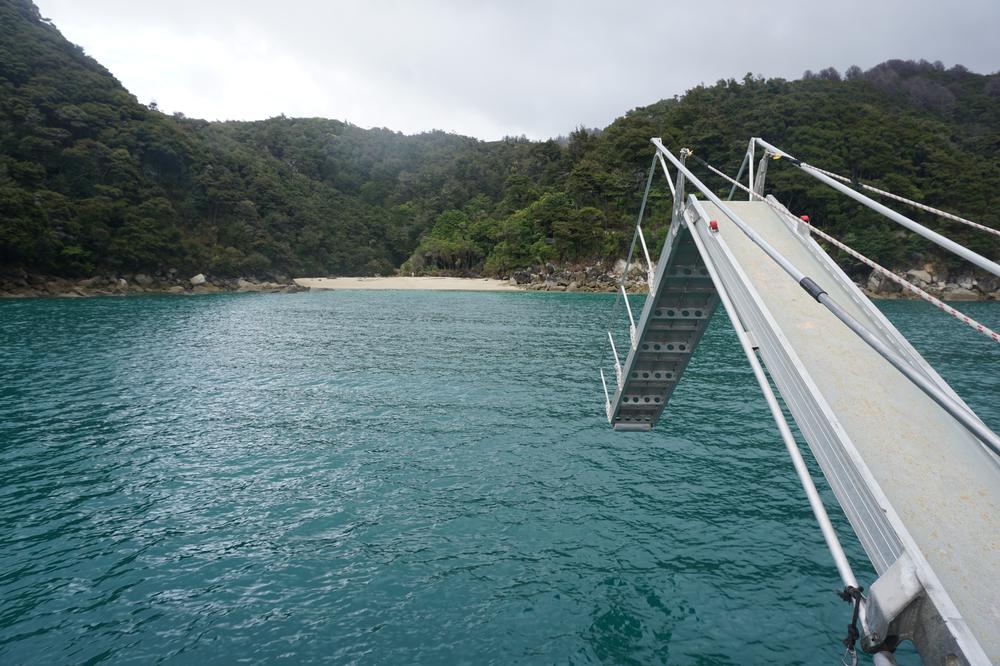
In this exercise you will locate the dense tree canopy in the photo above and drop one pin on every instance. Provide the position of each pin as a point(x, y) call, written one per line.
point(91, 180)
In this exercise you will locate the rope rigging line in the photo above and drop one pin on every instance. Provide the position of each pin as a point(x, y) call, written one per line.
point(958, 410)
point(909, 202)
point(952, 246)
point(903, 282)
point(854, 594)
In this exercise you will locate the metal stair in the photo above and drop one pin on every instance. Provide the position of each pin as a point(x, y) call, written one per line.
point(673, 320)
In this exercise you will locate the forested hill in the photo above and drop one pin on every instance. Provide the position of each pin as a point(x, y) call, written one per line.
point(93, 181)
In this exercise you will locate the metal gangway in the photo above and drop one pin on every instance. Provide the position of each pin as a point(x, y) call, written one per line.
point(916, 472)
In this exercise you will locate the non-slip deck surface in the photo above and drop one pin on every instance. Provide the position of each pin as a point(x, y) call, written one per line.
point(944, 486)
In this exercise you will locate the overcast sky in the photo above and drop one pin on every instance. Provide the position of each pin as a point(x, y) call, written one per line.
point(489, 69)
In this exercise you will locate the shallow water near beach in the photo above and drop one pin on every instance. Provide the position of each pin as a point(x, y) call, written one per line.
point(403, 478)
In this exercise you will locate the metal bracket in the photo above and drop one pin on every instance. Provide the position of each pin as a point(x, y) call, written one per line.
point(898, 609)
point(888, 598)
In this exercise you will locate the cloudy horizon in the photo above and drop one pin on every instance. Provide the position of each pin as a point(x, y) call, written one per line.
point(492, 69)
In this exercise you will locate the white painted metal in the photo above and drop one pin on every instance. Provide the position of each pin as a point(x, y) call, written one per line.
point(739, 174)
point(618, 363)
point(607, 398)
point(758, 185)
point(650, 271)
point(666, 172)
point(631, 319)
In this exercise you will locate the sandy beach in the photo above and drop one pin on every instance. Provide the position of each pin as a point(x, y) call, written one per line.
point(410, 283)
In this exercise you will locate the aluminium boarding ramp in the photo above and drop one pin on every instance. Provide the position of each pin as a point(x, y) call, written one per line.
point(920, 491)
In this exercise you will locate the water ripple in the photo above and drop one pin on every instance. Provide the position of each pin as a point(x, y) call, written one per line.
point(385, 478)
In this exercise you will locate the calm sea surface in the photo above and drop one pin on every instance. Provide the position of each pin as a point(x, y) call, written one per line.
point(402, 478)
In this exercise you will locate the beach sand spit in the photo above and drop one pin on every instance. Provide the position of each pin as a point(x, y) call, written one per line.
point(410, 283)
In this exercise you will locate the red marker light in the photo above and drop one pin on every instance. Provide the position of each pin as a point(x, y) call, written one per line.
point(804, 218)
point(713, 225)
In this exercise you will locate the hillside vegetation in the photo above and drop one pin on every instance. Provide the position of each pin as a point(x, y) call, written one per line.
point(93, 181)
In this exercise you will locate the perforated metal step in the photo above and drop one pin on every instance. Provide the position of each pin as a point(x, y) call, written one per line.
point(673, 320)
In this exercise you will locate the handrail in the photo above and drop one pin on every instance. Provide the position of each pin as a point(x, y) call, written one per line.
point(650, 271)
point(631, 319)
point(618, 364)
point(958, 411)
point(628, 260)
point(933, 236)
point(621, 292)
point(910, 202)
point(607, 398)
point(882, 270)
point(666, 172)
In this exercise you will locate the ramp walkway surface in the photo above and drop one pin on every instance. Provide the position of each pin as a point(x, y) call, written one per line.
point(934, 475)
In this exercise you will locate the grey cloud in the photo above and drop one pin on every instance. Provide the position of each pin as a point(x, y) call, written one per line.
point(495, 68)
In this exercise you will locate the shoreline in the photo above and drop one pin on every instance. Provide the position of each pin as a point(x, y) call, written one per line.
point(591, 280)
point(25, 285)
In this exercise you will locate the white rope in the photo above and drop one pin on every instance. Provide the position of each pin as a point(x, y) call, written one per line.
point(962, 317)
point(915, 204)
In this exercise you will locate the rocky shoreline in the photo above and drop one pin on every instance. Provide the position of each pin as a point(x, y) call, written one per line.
point(604, 278)
point(577, 278)
point(26, 285)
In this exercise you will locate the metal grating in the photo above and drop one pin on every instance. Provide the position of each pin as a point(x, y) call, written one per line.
point(673, 320)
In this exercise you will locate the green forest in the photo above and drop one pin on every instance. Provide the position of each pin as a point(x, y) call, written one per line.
point(92, 181)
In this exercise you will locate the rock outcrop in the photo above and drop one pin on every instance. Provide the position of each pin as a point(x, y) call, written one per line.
point(19, 283)
point(580, 278)
point(938, 282)
point(606, 277)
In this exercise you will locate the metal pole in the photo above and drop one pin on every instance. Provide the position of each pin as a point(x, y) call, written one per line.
point(618, 363)
point(631, 320)
point(815, 502)
point(910, 202)
point(607, 398)
point(933, 236)
point(666, 172)
point(645, 195)
point(754, 236)
point(679, 191)
point(649, 262)
point(739, 174)
point(966, 418)
point(758, 186)
point(750, 154)
point(631, 249)
point(971, 422)
point(642, 211)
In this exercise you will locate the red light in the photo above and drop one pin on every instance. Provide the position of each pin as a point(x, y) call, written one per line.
point(713, 225)
point(804, 218)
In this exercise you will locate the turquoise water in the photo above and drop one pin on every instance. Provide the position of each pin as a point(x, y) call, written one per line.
point(401, 478)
